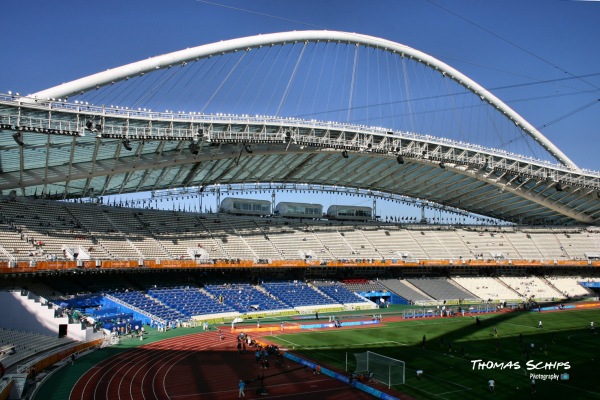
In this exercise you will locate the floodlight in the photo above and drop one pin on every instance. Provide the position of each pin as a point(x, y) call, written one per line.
point(194, 148)
point(18, 138)
point(127, 145)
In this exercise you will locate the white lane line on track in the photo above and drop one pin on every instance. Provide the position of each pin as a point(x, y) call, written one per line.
point(113, 362)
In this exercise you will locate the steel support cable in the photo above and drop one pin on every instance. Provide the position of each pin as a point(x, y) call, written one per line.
point(104, 94)
point(191, 81)
point(424, 112)
point(291, 80)
point(513, 44)
point(447, 95)
point(591, 103)
point(200, 75)
point(490, 117)
point(214, 76)
point(249, 81)
point(428, 88)
point(397, 61)
point(335, 60)
point(270, 68)
point(151, 92)
point(178, 82)
point(420, 90)
point(379, 85)
point(342, 105)
point(463, 93)
point(138, 83)
point(225, 93)
point(570, 78)
point(306, 79)
point(570, 113)
point(454, 109)
point(281, 72)
point(367, 87)
point(408, 96)
point(223, 81)
point(98, 96)
point(312, 107)
point(389, 81)
point(261, 14)
point(417, 90)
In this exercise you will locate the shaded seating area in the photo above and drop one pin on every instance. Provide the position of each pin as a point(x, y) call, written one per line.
point(16, 346)
point(362, 285)
point(406, 291)
point(442, 289)
point(339, 293)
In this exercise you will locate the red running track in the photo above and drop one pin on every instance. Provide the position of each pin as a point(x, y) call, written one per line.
point(201, 366)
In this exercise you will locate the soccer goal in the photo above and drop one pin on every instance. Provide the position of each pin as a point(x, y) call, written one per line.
point(383, 369)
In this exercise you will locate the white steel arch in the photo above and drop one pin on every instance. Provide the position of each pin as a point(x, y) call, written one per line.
point(167, 60)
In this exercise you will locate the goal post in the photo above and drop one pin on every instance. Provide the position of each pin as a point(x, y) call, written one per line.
point(380, 368)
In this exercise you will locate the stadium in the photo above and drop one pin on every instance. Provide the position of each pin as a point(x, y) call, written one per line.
point(334, 215)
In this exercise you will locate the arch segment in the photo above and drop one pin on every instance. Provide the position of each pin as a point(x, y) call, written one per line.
point(241, 44)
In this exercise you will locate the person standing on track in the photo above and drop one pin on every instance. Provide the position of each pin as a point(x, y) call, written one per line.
point(241, 386)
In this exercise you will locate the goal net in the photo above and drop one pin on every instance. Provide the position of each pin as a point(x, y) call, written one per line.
point(380, 368)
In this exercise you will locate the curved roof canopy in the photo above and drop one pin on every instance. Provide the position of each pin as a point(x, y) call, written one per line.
point(74, 150)
point(167, 60)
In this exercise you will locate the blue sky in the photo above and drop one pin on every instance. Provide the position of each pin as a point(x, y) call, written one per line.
point(496, 43)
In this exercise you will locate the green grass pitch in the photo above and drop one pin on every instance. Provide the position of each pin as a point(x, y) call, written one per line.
point(451, 374)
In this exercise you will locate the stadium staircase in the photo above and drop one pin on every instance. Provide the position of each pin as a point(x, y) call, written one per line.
point(506, 285)
point(416, 289)
point(416, 242)
point(217, 242)
point(94, 243)
point(343, 238)
point(324, 246)
point(275, 248)
point(240, 238)
point(407, 291)
point(155, 240)
point(460, 287)
point(123, 236)
point(368, 240)
point(549, 283)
